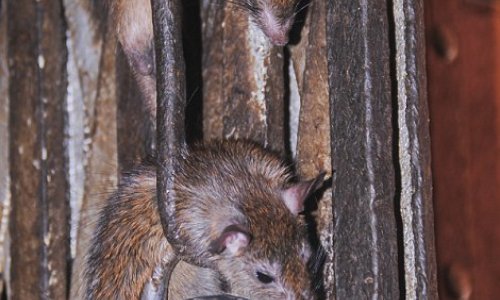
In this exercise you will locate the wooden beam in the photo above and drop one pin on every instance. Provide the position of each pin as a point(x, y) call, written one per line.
point(243, 79)
point(414, 151)
point(364, 233)
point(39, 226)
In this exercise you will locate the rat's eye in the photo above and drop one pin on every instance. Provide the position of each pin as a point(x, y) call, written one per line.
point(264, 278)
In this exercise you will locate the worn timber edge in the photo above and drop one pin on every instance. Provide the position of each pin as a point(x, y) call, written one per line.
point(414, 151)
point(365, 237)
point(39, 226)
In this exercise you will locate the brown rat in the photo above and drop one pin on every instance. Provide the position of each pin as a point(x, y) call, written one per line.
point(133, 22)
point(237, 214)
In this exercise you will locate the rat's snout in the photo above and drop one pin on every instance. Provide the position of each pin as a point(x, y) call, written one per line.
point(279, 39)
point(276, 29)
point(278, 35)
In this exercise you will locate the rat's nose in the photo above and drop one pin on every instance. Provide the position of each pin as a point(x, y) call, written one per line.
point(278, 36)
point(280, 41)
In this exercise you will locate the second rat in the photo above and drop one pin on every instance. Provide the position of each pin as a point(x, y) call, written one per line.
point(132, 20)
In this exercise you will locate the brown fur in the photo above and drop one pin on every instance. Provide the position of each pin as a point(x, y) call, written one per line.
point(221, 184)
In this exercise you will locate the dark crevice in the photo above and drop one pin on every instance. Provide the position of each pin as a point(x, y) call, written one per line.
point(395, 149)
point(318, 259)
point(300, 19)
point(192, 47)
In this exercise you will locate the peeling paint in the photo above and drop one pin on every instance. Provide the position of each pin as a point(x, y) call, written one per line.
point(294, 109)
point(41, 61)
point(47, 238)
point(259, 48)
point(44, 153)
point(36, 164)
point(53, 279)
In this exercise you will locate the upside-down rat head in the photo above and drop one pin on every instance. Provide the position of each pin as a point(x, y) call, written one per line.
point(274, 17)
point(240, 213)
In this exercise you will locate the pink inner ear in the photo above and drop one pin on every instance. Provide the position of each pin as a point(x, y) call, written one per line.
point(236, 241)
point(234, 238)
point(295, 196)
point(293, 199)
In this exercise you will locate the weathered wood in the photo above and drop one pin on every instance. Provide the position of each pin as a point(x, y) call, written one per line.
point(171, 103)
point(243, 77)
point(101, 166)
point(313, 148)
point(414, 151)
point(365, 240)
point(135, 123)
point(39, 225)
point(212, 58)
point(4, 149)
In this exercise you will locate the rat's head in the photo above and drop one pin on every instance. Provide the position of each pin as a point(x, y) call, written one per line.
point(274, 17)
point(265, 254)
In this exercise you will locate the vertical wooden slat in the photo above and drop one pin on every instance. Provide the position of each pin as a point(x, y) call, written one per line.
point(314, 146)
point(40, 216)
point(243, 79)
point(212, 57)
point(414, 151)
point(135, 122)
point(100, 149)
point(365, 241)
point(4, 148)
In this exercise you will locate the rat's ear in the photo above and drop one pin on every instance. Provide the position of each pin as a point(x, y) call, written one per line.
point(295, 195)
point(234, 238)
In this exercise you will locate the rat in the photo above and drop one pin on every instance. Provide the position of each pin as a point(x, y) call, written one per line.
point(132, 20)
point(237, 214)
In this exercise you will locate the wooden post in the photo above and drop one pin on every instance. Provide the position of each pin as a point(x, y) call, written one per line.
point(414, 151)
point(135, 125)
point(94, 84)
point(39, 226)
point(310, 67)
point(243, 79)
point(5, 199)
point(365, 237)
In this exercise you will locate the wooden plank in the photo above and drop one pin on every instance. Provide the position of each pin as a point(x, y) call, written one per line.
point(4, 150)
point(310, 64)
point(414, 151)
point(243, 77)
point(39, 225)
point(135, 123)
point(364, 233)
point(100, 149)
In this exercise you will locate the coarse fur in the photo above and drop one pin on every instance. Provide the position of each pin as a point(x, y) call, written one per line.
point(236, 212)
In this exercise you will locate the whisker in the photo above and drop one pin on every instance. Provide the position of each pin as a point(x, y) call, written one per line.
point(302, 8)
